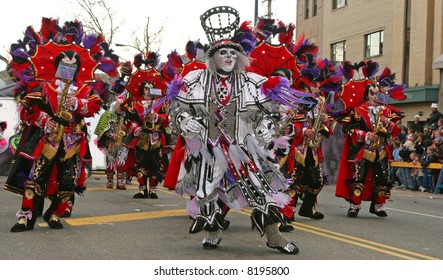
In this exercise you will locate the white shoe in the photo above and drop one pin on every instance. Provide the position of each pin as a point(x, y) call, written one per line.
point(421, 189)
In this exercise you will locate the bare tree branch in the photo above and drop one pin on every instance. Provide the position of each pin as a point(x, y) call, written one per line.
point(98, 15)
point(149, 40)
point(93, 22)
point(2, 58)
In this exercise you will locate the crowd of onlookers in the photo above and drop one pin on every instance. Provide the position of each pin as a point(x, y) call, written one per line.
point(420, 143)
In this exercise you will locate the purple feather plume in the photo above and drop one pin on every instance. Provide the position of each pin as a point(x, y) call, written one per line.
point(20, 54)
point(89, 40)
point(173, 89)
point(191, 50)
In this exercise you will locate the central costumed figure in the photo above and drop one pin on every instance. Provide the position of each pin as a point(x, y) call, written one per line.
point(228, 119)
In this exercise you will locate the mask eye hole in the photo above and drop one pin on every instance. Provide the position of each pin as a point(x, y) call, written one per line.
point(223, 52)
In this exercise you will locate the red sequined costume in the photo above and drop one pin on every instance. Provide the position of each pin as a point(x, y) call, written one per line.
point(55, 90)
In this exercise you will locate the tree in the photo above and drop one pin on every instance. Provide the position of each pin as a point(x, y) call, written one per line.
point(99, 15)
point(149, 40)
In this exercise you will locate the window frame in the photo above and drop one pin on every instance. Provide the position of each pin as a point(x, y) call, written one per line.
point(334, 53)
point(338, 4)
point(306, 9)
point(314, 7)
point(374, 49)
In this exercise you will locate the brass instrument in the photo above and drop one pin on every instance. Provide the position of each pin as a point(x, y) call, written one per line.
point(120, 135)
point(147, 123)
point(379, 129)
point(145, 140)
point(62, 117)
point(315, 141)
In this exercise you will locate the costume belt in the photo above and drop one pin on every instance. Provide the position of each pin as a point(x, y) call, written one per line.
point(248, 189)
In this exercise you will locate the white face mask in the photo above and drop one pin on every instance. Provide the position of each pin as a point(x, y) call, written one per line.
point(225, 59)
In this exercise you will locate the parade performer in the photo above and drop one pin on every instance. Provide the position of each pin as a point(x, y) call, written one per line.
point(54, 69)
point(307, 129)
point(370, 121)
point(110, 131)
point(227, 118)
point(146, 127)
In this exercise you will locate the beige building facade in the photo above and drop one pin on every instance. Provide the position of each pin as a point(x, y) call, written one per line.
point(405, 35)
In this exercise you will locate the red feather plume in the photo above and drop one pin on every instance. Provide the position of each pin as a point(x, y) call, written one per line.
point(49, 28)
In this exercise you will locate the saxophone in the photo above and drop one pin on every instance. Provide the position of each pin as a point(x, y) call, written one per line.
point(315, 140)
point(120, 133)
point(62, 117)
point(379, 129)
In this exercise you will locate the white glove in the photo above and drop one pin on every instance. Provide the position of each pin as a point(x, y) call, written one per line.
point(265, 132)
point(122, 154)
point(264, 135)
point(190, 125)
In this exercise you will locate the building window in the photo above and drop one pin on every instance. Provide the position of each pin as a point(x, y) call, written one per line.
point(306, 9)
point(314, 8)
point(337, 4)
point(338, 51)
point(374, 44)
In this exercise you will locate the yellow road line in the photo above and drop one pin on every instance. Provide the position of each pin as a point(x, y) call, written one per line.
point(126, 217)
point(379, 247)
point(353, 240)
point(347, 237)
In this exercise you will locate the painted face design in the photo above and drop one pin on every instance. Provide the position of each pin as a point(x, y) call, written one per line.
point(225, 59)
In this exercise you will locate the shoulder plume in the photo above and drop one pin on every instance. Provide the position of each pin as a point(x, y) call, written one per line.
point(191, 50)
point(245, 37)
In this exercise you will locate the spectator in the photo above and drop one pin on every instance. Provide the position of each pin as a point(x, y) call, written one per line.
point(418, 144)
point(435, 114)
point(404, 173)
point(403, 134)
point(427, 158)
point(416, 173)
point(417, 126)
point(426, 132)
point(410, 135)
point(393, 170)
point(437, 136)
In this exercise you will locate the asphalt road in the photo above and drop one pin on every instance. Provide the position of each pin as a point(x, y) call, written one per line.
point(111, 225)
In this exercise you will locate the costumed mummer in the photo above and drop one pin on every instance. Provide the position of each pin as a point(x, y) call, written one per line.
point(228, 119)
point(56, 90)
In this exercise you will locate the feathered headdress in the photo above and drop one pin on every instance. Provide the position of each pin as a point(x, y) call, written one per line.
point(33, 57)
point(150, 60)
point(358, 76)
point(386, 82)
point(221, 25)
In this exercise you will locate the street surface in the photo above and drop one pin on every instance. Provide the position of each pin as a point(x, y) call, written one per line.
point(111, 225)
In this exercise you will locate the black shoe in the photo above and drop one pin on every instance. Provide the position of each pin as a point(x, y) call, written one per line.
point(289, 248)
point(226, 224)
point(153, 195)
point(381, 213)
point(140, 195)
point(285, 228)
point(55, 224)
point(372, 208)
point(211, 244)
point(19, 228)
point(314, 216)
point(67, 214)
point(198, 225)
point(352, 213)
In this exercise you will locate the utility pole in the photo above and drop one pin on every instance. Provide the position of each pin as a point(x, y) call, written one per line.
point(269, 4)
point(269, 8)
point(255, 12)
